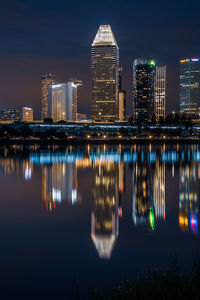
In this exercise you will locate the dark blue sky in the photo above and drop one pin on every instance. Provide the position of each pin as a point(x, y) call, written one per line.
point(55, 36)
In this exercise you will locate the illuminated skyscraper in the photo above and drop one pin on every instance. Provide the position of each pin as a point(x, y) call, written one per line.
point(160, 92)
point(190, 86)
point(46, 81)
point(63, 101)
point(105, 198)
point(122, 105)
point(105, 76)
point(143, 88)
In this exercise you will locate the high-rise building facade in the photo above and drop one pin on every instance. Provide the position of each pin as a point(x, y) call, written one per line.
point(105, 76)
point(190, 86)
point(143, 88)
point(27, 114)
point(160, 92)
point(46, 81)
point(63, 101)
point(122, 105)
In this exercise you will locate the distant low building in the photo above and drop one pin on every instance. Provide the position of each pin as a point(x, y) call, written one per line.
point(81, 117)
point(9, 114)
point(27, 114)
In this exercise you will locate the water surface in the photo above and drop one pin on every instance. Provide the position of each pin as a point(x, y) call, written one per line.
point(91, 216)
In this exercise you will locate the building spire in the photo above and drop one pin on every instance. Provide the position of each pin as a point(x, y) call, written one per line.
point(104, 36)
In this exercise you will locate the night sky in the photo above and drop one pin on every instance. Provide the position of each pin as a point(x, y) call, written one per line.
point(55, 36)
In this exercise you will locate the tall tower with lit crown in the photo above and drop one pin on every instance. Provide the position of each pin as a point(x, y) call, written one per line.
point(105, 76)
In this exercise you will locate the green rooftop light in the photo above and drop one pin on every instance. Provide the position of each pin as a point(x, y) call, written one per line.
point(152, 62)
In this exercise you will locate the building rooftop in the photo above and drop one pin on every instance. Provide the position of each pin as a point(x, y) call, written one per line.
point(104, 36)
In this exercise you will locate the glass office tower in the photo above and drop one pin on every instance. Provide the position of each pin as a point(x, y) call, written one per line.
point(122, 105)
point(143, 88)
point(160, 92)
point(46, 81)
point(105, 76)
point(190, 86)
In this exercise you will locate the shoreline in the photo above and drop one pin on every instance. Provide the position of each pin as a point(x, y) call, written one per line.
point(76, 141)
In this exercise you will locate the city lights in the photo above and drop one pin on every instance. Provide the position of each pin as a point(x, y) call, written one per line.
point(100, 150)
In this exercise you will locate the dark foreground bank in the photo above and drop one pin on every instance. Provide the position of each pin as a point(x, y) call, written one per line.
point(171, 284)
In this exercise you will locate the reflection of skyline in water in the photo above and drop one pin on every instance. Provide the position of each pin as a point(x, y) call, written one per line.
point(11, 166)
point(148, 192)
point(189, 190)
point(59, 183)
point(148, 165)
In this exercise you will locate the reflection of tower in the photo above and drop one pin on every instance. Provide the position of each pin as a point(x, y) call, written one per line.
point(188, 198)
point(159, 190)
point(10, 166)
point(142, 193)
point(59, 183)
point(104, 227)
point(72, 183)
point(27, 169)
point(122, 177)
point(122, 184)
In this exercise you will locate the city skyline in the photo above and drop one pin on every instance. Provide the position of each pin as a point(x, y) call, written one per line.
point(100, 149)
point(29, 54)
